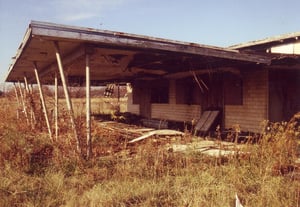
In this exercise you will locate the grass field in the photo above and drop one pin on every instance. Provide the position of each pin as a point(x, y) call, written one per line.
point(37, 172)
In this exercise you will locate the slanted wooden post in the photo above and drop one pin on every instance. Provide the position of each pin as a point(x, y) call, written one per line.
point(23, 102)
point(56, 106)
point(18, 102)
point(43, 101)
point(88, 107)
point(29, 96)
point(67, 96)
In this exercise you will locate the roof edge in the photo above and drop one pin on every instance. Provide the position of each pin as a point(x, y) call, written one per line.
point(277, 38)
point(20, 49)
point(52, 30)
point(63, 27)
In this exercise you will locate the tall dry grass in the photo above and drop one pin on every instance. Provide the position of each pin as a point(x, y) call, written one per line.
point(148, 174)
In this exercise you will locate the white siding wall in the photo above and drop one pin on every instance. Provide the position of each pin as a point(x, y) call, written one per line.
point(293, 48)
point(249, 115)
point(255, 101)
point(132, 108)
point(171, 111)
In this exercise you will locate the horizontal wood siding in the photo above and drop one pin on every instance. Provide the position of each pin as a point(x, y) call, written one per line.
point(173, 111)
point(132, 108)
point(255, 101)
point(176, 112)
point(249, 116)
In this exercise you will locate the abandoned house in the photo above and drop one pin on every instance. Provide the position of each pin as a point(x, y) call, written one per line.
point(171, 80)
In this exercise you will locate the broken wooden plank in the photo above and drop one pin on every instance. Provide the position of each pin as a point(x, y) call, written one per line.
point(202, 120)
point(162, 132)
point(209, 122)
point(206, 121)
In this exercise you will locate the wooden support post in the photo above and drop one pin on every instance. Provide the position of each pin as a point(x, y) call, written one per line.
point(88, 107)
point(23, 102)
point(43, 101)
point(31, 103)
point(67, 96)
point(18, 102)
point(26, 85)
point(56, 106)
point(118, 93)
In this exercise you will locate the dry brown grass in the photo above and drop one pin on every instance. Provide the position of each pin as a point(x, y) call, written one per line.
point(262, 174)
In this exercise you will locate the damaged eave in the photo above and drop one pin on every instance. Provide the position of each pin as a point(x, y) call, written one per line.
point(40, 37)
point(25, 42)
point(130, 41)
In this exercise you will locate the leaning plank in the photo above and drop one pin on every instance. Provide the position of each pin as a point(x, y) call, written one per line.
point(209, 122)
point(202, 120)
point(162, 132)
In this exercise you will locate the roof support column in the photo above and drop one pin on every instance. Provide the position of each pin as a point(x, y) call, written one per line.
point(67, 96)
point(18, 102)
point(23, 102)
point(56, 106)
point(29, 99)
point(88, 107)
point(43, 101)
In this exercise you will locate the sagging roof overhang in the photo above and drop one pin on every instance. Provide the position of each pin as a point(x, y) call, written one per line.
point(114, 55)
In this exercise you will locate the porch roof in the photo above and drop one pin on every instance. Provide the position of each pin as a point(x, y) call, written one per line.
point(264, 44)
point(114, 56)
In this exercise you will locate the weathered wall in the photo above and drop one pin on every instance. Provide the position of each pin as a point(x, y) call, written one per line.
point(132, 108)
point(255, 102)
point(171, 111)
point(249, 115)
point(176, 112)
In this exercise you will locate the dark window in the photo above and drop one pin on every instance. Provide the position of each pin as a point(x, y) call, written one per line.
point(187, 91)
point(136, 95)
point(233, 90)
point(160, 91)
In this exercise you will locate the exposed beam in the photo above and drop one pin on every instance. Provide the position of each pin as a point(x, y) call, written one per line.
point(200, 72)
point(68, 59)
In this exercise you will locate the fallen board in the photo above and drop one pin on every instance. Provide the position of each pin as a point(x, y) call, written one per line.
point(162, 132)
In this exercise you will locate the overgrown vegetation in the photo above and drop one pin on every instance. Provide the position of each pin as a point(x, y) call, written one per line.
point(37, 172)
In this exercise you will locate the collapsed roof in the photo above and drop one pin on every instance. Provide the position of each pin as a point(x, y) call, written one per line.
point(114, 56)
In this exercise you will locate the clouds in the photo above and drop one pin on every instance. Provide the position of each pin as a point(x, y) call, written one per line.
point(76, 10)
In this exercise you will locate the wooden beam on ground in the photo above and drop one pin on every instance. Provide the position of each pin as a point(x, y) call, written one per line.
point(160, 132)
point(88, 107)
point(67, 96)
point(43, 101)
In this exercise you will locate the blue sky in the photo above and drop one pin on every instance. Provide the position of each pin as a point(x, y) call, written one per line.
point(211, 22)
